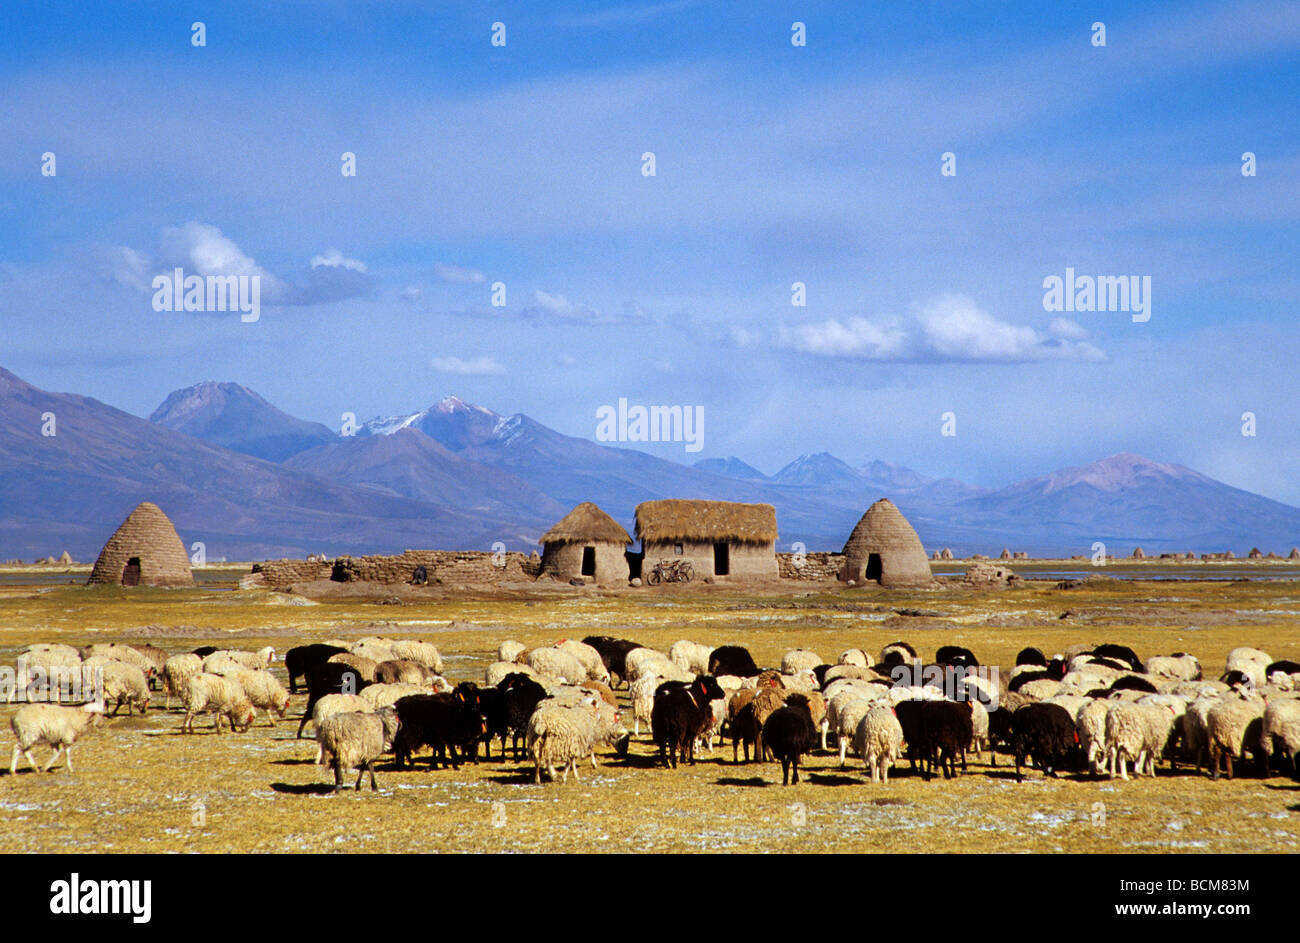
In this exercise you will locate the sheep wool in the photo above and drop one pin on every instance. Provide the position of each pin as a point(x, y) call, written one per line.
point(589, 657)
point(1174, 667)
point(1090, 721)
point(351, 741)
point(690, 656)
point(263, 690)
point(509, 650)
point(1281, 728)
point(382, 695)
point(221, 696)
point(51, 725)
point(879, 741)
point(177, 671)
point(499, 670)
point(1226, 725)
point(560, 736)
point(557, 664)
point(125, 684)
point(799, 659)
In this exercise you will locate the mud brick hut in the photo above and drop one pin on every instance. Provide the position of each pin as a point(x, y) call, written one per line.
point(586, 543)
point(884, 548)
point(144, 551)
point(718, 538)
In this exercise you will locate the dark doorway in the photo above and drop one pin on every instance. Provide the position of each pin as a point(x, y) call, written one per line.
point(131, 572)
point(634, 563)
point(588, 561)
point(721, 559)
point(339, 572)
point(873, 567)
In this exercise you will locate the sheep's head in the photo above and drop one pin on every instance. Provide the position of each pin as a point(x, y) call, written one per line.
point(241, 715)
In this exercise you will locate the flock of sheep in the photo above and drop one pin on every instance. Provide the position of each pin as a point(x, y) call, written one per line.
point(1095, 709)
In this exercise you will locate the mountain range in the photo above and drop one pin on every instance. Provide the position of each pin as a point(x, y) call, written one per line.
point(251, 481)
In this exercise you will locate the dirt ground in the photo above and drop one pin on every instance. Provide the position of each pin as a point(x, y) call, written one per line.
point(140, 785)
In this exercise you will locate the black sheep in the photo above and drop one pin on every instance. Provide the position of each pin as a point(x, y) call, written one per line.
point(1119, 653)
point(297, 660)
point(732, 660)
point(492, 705)
point(819, 672)
point(1047, 733)
point(613, 653)
point(203, 651)
point(440, 721)
point(1112, 663)
point(744, 730)
point(936, 731)
point(1286, 667)
point(521, 696)
point(1031, 656)
point(789, 733)
point(329, 678)
point(1134, 683)
point(681, 713)
point(957, 657)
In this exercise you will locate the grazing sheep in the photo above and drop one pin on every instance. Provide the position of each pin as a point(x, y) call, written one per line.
point(329, 678)
point(642, 693)
point(126, 654)
point(879, 741)
point(589, 657)
point(1229, 726)
point(790, 733)
point(1032, 657)
point(442, 722)
point(177, 671)
point(264, 691)
point(422, 653)
point(799, 659)
point(401, 671)
point(557, 664)
point(297, 660)
point(857, 672)
point(956, 656)
point(365, 667)
point(221, 696)
point(680, 714)
point(354, 741)
point(766, 702)
point(1120, 653)
point(1090, 721)
point(843, 714)
point(53, 725)
point(647, 661)
point(521, 695)
point(1039, 688)
point(856, 657)
point(376, 649)
point(560, 735)
point(943, 733)
point(125, 684)
point(376, 696)
point(498, 671)
point(36, 662)
point(157, 658)
point(1136, 732)
point(262, 658)
point(510, 650)
point(690, 656)
point(732, 660)
point(1251, 662)
point(613, 652)
point(1176, 667)
point(1281, 729)
point(1196, 739)
point(1044, 731)
point(1134, 683)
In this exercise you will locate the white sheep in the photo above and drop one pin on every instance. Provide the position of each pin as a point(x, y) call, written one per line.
point(1251, 662)
point(222, 696)
point(879, 740)
point(354, 741)
point(642, 693)
point(376, 649)
point(375, 696)
point(641, 661)
point(262, 658)
point(799, 659)
point(1226, 726)
point(498, 670)
point(730, 683)
point(1182, 667)
point(590, 658)
point(1090, 722)
point(556, 664)
point(1282, 728)
point(1137, 732)
point(1196, 742)
point(123, 653)
point(856, 657)
point(690, 656)
point(843, 714)
point(559, 735)
point(1041, 689)
point(53, 725)
point(423, 653)
point(177, 671)
point(125, 684)
point(509, 650)
point(263, 689)
point(45, 662)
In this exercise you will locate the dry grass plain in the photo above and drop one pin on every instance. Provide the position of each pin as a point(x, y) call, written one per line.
point(140, 786)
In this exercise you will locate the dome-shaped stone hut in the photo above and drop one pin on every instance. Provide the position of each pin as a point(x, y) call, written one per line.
point(885, 548)
point(945, 554)
point(144, 551)
point(1139, 553)
point(588, 543)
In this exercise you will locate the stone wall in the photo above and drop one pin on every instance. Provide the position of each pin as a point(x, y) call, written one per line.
point(816, 566)
point(442, 566)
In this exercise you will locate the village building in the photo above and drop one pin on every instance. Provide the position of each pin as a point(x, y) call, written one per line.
point(720, 539)
point(885, 548)
point(586, 543)
point(144, 551)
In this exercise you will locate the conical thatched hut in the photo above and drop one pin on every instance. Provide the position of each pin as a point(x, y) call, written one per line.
point(1139, 553)
point(144, 551)
point(945, 554)
point(885, 548)
point(588, 543)
point(1255, 554)
point(718, 538)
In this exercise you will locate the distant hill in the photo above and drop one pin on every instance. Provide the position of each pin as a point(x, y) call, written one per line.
point(235, 417)
point(731, 467)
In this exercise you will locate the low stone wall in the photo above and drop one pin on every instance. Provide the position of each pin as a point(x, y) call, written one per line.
point(811, 566)
point(442, 566)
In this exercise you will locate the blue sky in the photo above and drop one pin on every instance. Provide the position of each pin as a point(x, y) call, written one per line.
point(775, 164)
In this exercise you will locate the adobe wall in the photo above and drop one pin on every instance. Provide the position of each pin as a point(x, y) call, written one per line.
point(815, 566)
point(443, 566)
point(564, 561)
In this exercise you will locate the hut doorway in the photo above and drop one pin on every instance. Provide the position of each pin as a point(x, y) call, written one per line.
point(721, 560)
point(588, 561)
point(131, 572)
point(873, 568)
point(634, 563)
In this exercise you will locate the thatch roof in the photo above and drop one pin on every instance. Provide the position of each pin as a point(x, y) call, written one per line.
point(586, 523)
point(883, 530)
point(676, 519)
point(148, 534)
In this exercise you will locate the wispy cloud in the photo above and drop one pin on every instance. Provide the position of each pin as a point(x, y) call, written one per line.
point(458, 275)
point(475, 367)
point(548, 307)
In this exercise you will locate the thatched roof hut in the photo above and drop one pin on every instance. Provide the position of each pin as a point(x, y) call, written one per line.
point(1255, 554)
point(884, 547)
point(146, 551)
point(586, 543)
point(718, 538)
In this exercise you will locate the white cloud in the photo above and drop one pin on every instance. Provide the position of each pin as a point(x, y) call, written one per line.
point(550, 307)
point(333, 258)
point(458, 275)
point(411, 293)
point(950, 329)
point(476, 367)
